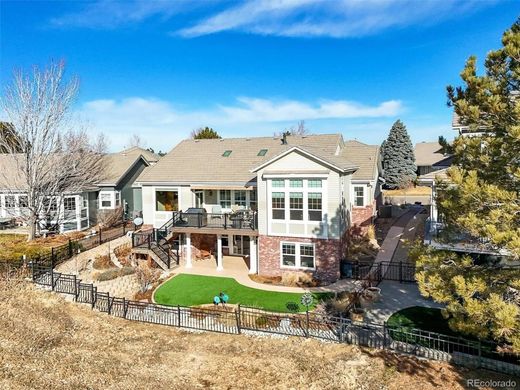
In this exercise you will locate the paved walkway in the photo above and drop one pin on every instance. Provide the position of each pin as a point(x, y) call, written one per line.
point(236, 268)
point(396, 296)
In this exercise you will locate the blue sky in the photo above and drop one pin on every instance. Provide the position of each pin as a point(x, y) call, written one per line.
point(160, 69)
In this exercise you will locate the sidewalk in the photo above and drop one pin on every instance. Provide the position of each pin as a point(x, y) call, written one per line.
point(235, 267)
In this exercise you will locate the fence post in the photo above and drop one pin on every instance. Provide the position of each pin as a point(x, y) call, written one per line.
point(340, 333)
point(384, 335)
point(307, 323)
point(70, 248)
point(109, 304)
point(52, 269)
point(133, 240)
point(179, 315)
point(125, 307)
point(75, 288)
point(400, 272)
point(93, 295)
point(237, 315)
point(99, 236)
point(124, 227)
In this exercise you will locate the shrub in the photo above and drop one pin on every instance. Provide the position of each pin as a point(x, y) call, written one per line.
point(262, 322)
point(123, 252)
point(114, 273)
point(299, 279)
point(103, 262)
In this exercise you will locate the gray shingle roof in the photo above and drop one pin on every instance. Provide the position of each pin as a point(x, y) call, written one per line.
point(430, 153)
point(11, 177)
point(366, 157)
point(201, 161)
point(118, 164)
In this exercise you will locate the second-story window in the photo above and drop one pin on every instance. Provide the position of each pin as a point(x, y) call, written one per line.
point(359, 196)
point(296, 206)
point(10, 202)
point(118, 198)
point(225, 199)
point(314, 205)
point(296, 183)
point(278, 202)
point(166, 201)
point(278, 183)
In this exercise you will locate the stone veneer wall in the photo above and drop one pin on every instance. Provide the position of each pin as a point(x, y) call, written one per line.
point(327, 257)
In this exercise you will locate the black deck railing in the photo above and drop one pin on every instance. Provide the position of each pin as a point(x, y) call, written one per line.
point(246, 220)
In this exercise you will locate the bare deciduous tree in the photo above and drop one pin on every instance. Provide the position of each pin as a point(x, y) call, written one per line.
point(299, 129)
point(54, 156)
point(135, 140)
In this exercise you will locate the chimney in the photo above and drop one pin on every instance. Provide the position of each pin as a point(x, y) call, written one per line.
point(284, 138)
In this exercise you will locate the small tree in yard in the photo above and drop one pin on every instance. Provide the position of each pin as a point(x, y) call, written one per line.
point(398, 157)
point(481, 199)
point(146, 277)
point(50, 158)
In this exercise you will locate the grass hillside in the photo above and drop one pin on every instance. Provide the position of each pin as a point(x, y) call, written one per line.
point(48, 343)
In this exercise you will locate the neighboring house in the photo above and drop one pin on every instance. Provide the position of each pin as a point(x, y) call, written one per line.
point(118, 188)
point(71, 210)
point(429, 157)
point(285, 205)
point(435, 165)
point(78, 211)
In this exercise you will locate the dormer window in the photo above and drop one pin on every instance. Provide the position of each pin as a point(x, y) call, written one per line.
point(262, 152)
point(226, 153)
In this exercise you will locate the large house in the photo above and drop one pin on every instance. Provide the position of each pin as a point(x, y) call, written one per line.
point(81, 210)
point(285, 204)
point(430, 157)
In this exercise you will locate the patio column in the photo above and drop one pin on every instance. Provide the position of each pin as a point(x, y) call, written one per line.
point(188, 250)
point(253, 269)
point(219, 253)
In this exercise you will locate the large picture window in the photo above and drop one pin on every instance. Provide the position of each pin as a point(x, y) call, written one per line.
point(314, 205)
point(297, 255)
point(359, 196)
point(296, 206)
point(278, 202)
point(166, 200)
point(225, 199)
point(240, 198)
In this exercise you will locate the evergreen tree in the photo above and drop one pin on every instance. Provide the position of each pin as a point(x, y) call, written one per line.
point(205, 133)
point(399, 169)
point(481, 200)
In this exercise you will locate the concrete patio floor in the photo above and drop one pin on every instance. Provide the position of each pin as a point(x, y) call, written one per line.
point(236, 267)
point(396, 296)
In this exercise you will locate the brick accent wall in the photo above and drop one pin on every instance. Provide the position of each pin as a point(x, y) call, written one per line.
point(362, 216)
point(327, 257)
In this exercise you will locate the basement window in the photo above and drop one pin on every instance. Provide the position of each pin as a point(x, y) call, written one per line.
point(226, 153)
point(262, 152)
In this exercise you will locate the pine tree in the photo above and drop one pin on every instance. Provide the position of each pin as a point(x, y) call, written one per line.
point(205, 133)
point(399, 169)
point(481, 200)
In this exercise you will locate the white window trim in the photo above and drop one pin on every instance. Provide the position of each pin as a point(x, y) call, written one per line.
point(297, 255)
point(232, 200)
point(310, 225)
point(365, 192)
point(112, 200)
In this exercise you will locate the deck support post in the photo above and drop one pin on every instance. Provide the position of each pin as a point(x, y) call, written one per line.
point(253, 268)
point(188, 251)
point(219, 253)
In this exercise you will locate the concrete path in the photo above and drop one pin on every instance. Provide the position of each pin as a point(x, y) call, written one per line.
point(236, 268)
point(396, 296)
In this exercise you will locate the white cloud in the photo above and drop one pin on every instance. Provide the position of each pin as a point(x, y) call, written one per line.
point(324, 18)
point(162, 125)
point(289, 18)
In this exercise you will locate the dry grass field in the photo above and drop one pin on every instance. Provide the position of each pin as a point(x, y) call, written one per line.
point(49, 343)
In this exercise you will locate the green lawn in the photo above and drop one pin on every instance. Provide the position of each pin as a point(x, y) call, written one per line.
point(194, 290)
point(424, 318)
